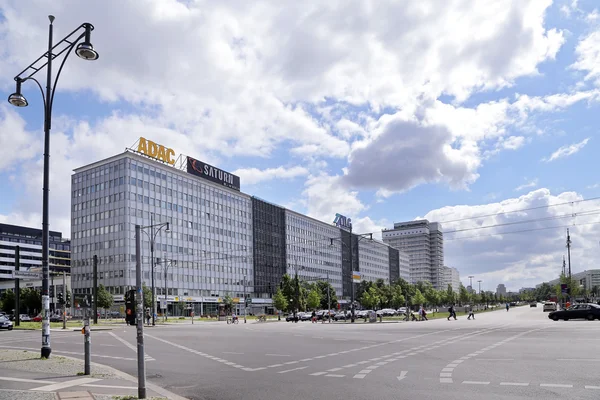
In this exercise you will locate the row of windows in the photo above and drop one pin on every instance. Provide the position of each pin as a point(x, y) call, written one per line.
point(99, 231)
point(197, 265)
point(52, 252)
point(113, 198)
point(98, 172)
point(56, 246)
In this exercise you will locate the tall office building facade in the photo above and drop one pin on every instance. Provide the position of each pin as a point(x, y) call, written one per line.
point(221, 241)
point(501, 290)
point(424, 243)
point(452, 278)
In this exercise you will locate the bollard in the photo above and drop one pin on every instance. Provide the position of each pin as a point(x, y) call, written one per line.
point(86, 345)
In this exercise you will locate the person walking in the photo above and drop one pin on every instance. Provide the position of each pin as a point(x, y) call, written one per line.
point(424, 313)
point(452, 312)
point(507, 306)
point(471, 313)
point(314, 317)
point(148, 317)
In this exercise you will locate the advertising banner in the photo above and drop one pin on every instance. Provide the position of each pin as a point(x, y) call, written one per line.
point(213, 174)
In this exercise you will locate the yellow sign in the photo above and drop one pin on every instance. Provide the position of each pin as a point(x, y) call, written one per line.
point(157, 151)
point(236, 299)
point(356, 277)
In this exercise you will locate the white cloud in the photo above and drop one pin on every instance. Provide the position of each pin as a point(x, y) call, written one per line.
point(16, 142)
point(327, 195)
point(588, 57)
point(531, 184)
point(253, 176)
point(594, 186)
point(520, 258)
point(567, 150)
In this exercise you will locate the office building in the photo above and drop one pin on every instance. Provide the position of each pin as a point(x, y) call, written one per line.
point(221, 241)
point(452, 278)
point(423, 241)
point(29, 241)
point(586, 279)
point(501, 290)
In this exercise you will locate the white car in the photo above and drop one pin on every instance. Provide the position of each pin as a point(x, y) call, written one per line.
point(550, 306)
point(5, 323)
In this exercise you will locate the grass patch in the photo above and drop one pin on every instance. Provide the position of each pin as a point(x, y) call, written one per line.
point(80, 373)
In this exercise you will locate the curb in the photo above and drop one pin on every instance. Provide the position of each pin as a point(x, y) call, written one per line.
point(125, 376)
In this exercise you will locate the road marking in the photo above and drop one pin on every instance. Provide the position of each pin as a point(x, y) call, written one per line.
point(334, 369)
point(349, 366)
point(24, 380)
point(74, 353)
point(555, 385)
point(318, 373)
point(578, 359)
point(445, 374)
point(445, 380)
point(402, 375)
point(201, 354)
point(335, 376)
point(130, 346)
point(275, 366)
point(231, 352)
point(290, 370)
point(365, 371)
point(592, 387)
point(359, 376)
point(291, 362)
point(278, 355)
point(494, 359)
point(514, 384)
point(110, 386)
point(67, 384)
point(475, 383)
point(305, 359)
point(447, 369)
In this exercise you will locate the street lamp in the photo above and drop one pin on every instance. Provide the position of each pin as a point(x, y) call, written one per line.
point(86, 51)
point(152, 236)
point(166, 268)
point(479, 281)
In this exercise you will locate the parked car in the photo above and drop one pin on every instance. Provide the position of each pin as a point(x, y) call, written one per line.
point(342, 316)
point(5, 323)
point(588, 311)
point(37, 318)
point(24, 318)
point(550, 306)
point(291, 318)
point(534, 304)
point(306, 316)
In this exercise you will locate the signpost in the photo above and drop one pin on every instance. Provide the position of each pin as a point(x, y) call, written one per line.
point(356, 277)
point(26, 275)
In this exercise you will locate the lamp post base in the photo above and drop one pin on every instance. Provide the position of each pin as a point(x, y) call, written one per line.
point(46, 352)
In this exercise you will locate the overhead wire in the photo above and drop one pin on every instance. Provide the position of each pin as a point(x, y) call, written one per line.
point(522, 231)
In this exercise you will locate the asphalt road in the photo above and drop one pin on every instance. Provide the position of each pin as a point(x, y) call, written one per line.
point(519, 354)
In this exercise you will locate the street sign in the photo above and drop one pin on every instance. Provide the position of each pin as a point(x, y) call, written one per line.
point(163, 304)
point(26, 275)
point(82, 301)
point(356, 277)
point(564, 288)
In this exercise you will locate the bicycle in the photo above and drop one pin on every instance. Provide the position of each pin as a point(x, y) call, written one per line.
point(231, 320)
point(262, 318)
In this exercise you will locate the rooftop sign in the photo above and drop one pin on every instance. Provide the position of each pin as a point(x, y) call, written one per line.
point(213, 174)
point(156, 151)
point(342, 222)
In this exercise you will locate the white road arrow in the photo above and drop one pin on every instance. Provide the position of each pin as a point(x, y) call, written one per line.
point(402, 375)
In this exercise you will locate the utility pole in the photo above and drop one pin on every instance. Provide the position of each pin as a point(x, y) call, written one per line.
point(564, 270)
point(95, 290)
point(328, 298)
point(64, 300)
point(569, 288)
point(17, 287)
point(479, 286)
point(471, 281)
point(244, 298)
point(140, 314)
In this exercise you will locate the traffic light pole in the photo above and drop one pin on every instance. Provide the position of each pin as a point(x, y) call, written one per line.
point(17, 287)
point(245, 299)
point(140, 315)
point(95, 289)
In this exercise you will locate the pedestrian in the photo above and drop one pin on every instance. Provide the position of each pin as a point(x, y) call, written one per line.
point(507, 306)
point(471, 313)
point(148, 317)
point(424, 313)
point(452, 312)
point(314, 317)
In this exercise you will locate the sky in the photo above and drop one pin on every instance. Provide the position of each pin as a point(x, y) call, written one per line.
point(479, 115)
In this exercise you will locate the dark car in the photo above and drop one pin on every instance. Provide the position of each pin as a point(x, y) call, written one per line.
point(291, 318)
point(577, 311)
point(5, 323)
point(534, 304)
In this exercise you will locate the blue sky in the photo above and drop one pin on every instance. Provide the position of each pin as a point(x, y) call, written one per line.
point(379, 112)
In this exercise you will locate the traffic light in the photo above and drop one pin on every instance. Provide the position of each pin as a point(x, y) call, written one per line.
point(52, 291)
point(130, 307)
point(60, 298)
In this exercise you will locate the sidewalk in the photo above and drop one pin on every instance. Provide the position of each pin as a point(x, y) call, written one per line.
point(23, 376)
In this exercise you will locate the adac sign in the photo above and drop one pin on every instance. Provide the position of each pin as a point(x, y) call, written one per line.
point(342, 222)
point(157, 151)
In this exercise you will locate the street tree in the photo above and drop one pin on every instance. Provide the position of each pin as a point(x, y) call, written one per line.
point(398, 299)
point(8, 300)
point(463, 295)
point(322, 288)
point(418, 299)
point(105, 299)
point(313, 299)
point(370, 298)
point(279, 301)
point(147, 296)
point(31, 300)
point(228, 301)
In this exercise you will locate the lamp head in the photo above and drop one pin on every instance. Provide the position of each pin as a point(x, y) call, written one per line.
point(17, 99)
point(168, 230)
point(85, 49)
